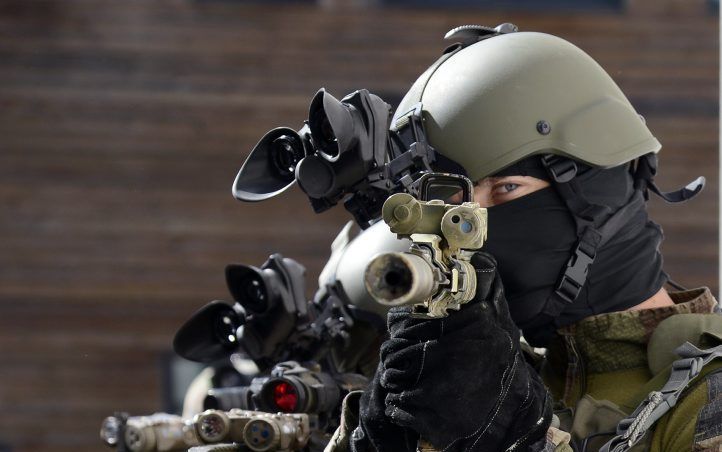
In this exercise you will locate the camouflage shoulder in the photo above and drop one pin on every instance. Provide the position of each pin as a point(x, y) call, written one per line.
point(349, 420)
point(695, 423)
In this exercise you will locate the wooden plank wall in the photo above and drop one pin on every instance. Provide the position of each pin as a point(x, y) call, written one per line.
point(122, 124)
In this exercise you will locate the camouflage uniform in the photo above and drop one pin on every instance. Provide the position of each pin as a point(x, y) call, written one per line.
point(605, 365)
point(602, 367)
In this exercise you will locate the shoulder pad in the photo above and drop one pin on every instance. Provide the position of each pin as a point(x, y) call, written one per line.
point(702, 330)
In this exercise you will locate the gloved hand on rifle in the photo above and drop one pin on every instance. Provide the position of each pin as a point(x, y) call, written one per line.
point(460, 382)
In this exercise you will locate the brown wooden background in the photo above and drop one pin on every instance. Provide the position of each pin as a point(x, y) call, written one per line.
point(123, 123)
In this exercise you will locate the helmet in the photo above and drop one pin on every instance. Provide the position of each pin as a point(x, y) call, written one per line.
point(513, 95)
point(343, 278)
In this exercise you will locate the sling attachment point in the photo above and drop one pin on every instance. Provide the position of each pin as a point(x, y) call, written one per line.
point(633, 428)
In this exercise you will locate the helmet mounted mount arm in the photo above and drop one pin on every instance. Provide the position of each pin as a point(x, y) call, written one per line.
point(415, 158)
point(409, 156)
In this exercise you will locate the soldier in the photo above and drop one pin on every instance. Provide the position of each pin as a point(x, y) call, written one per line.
point(564, 164)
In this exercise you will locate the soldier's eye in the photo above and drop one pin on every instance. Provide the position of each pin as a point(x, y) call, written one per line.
point(510, 187)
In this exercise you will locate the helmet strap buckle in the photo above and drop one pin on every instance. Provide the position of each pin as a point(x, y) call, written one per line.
point(561, 169)
point(575, 273)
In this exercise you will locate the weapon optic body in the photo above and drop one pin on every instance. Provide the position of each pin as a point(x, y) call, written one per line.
point(160, 432)
point(291, 388)
point(347, 151)
point(254, 430)
point(436, 273)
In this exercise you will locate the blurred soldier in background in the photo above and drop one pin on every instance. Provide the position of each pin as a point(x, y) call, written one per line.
point(565, 165)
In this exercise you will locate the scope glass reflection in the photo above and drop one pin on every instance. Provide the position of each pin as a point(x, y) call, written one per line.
point(285, 153)
point(450, 194)
point(452, 189)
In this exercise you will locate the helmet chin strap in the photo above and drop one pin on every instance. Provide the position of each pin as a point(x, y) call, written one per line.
point(595, 223)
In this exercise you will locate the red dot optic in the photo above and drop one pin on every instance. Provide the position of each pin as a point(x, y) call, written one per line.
point(285, 397)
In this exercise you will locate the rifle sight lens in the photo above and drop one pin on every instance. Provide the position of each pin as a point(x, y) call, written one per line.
point(285, 397)
point(138, 438)
point(212, 427)
point(110, 431)
point(259, 435)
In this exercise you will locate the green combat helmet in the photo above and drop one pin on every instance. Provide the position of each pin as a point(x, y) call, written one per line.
point(516, 94)
point(499, 96)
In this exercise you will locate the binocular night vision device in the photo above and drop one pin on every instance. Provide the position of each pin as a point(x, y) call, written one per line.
point(270, 303)
point(346, 151)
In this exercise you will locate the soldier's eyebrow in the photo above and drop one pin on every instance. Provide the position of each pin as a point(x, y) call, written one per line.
point(487, 181)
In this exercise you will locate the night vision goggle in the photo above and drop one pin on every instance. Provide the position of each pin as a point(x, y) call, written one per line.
point(344, 152)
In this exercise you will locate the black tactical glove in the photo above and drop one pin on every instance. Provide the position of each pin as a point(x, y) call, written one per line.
point(461, 382)
point(376, 432)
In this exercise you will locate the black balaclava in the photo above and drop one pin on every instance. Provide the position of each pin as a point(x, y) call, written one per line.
point(533, 237)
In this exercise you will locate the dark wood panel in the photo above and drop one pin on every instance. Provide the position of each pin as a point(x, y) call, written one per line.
point(122, 125)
